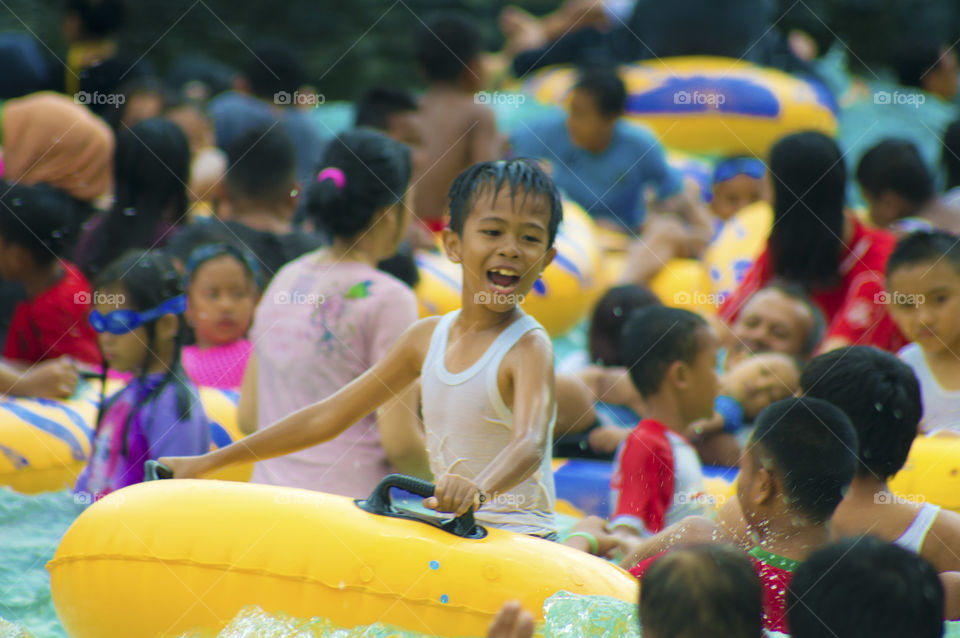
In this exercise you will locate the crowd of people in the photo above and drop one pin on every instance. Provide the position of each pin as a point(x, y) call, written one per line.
point(199, 232)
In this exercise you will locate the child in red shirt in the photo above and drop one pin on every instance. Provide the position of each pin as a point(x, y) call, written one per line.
point(35, 225)
point(815, 244)
point(672, 357)
point(798, 463)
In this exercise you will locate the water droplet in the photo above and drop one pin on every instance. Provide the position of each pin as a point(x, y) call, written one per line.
point(878, 407)
point(17, 201)
point(444, 599)
point(434, 565)
point(57, 234)
point(129, 212)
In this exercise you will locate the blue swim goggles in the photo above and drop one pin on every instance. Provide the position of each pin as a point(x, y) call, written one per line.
point(120, 322)
point(730, 168)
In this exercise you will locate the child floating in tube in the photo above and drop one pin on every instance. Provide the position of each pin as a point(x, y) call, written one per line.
point(486, 370)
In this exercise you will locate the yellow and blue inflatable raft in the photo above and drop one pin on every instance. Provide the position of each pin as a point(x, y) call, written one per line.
point(166, 557)
point(713, 106)
point(45, 444)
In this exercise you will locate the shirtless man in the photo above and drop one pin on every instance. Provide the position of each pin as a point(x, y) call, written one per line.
point(459, 129)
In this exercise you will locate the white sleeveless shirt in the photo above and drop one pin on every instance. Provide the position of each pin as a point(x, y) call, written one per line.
point(468, 424)
point(941, 408)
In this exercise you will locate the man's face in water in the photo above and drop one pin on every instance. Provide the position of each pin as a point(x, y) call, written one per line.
point(773, 321)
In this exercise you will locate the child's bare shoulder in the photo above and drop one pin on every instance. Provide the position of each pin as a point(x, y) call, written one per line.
point(416, 339)
point(534, 349)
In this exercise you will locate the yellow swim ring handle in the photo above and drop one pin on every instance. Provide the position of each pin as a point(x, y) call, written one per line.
point(381, 504)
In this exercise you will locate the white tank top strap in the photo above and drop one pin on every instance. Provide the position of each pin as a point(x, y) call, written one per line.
point(491, 358)
point(438, 340)
point(912, 539)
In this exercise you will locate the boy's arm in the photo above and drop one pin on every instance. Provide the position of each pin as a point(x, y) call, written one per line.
point(56, 379)
point(326, 419)
point(529, 366)
point(693, 529)
point(401, 434)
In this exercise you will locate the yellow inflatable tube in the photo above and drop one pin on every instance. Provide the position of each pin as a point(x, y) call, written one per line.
point(932, 472)
point(709, 105)
point(165, 557)
point(559, 300)
point(45, 444)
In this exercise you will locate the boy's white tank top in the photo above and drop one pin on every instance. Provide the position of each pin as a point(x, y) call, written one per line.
point(468, 424)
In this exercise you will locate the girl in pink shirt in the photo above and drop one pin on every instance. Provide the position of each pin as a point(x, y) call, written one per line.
point(222, 284)
point(330, 315)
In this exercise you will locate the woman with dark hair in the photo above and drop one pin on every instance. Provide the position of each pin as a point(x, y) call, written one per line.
point(151, 170)
point(816, 245)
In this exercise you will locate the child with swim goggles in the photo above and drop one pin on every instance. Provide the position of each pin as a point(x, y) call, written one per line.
point(138, 303)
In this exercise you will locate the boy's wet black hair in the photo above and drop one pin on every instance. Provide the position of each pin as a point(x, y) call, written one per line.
point(151, 169)
point(925, 247)
point(98, 18)
point(915, 58)
point(865, 588)
point(609, 314)
point(522, 174)
point(809, 191)
point(656, 337)
point(446, 46)
point(950, 156)
point(261, 165)
point(376, 106)
point(38, 218)
point(811, 446)
point(702, 591)
point(376, 173)
point(881, 395)
point(606, 88)
point(896, 165)
point(148, 279)
point(273, 67)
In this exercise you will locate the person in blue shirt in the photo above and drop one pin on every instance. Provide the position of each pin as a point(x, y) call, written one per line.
point(608, 165)
point(602, 162)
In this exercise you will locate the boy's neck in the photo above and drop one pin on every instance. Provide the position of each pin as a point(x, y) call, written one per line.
point(475, 318)
point(263, 217)
point(666, 409)
point(866, 487)
point(446, 88)
point(788, 535)
point(42, 279)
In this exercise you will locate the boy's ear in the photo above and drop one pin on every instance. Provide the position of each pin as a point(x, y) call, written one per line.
point(765, 486)
point(679, 374)
point(548, 258)
point(451, 245)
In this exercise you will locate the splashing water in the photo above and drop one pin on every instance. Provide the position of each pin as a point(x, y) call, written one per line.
point(30, 530)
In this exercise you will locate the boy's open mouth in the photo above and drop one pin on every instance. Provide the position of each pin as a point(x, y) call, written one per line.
point(503, 278)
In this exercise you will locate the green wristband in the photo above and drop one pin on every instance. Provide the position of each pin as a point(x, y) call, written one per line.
point(594, 544)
